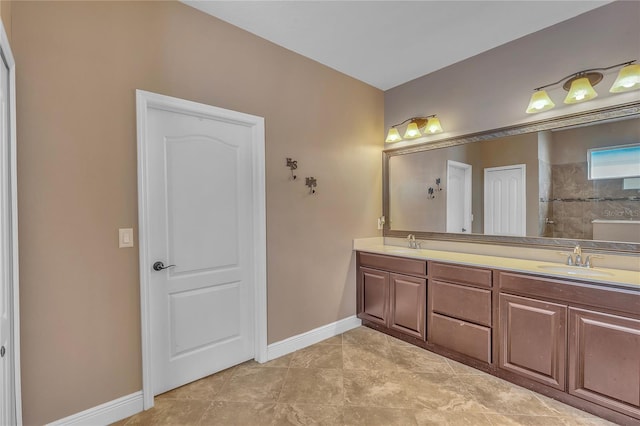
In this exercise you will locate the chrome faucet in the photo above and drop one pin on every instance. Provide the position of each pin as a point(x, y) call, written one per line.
point(577, 250)
point(577, 261)
point(412, 242)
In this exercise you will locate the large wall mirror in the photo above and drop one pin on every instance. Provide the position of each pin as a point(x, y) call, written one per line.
point(549, 183)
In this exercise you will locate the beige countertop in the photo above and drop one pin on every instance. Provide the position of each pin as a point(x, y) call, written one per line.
point(616, 277)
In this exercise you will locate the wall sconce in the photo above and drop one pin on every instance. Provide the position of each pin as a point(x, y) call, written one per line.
point(580, 86)
point(430, 125)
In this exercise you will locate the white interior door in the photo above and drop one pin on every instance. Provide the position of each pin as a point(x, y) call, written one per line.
point(200, 227)
point(459, 215)
point(9, 337)
point(504, 200)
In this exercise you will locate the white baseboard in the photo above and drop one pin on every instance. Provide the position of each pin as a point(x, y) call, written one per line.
point(106, 413)
point(292, 344)
point(121, 408)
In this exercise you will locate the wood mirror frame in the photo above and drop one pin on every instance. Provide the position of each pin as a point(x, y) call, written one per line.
point(590, 117)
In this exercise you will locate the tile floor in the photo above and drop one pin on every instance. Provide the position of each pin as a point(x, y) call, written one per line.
point(361, 377)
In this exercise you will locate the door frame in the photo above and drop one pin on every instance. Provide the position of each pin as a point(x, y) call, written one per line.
point(144, 101)
point(12, 206)
point(468, 195)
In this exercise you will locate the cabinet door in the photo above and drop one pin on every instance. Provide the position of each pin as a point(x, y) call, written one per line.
point(533, 338)
point(373, 295)
point(604, 360)
point(408, 300)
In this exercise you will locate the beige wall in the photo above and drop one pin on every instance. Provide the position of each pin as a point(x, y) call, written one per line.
point(492, 90)
point(78, 64)
point(5, 14)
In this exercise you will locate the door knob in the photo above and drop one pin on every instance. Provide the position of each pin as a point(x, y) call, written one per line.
point(159, 266)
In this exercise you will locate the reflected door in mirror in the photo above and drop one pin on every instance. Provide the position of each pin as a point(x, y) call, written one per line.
point(504, 200)
point(459, 215)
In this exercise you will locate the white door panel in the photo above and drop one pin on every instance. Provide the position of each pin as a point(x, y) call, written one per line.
point(504, 200)
point(214, 308)
point(200, 204)
point(458, 197)
point(213, 206)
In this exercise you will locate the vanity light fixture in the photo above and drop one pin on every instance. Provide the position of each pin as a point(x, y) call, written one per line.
point(580, 86)
point(430, 125)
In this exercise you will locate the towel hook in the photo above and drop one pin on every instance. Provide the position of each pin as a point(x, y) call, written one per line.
point(292, 165)
point(311, 183)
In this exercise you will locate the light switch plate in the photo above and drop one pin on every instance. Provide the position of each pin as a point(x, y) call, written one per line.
point(125, 237)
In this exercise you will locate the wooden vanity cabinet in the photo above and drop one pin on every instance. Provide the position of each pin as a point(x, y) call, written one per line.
point(573, 336)
point(459, 309)
point(573, 340)
point(391, 292)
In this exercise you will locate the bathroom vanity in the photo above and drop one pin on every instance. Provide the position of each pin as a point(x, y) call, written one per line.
point(573, 336)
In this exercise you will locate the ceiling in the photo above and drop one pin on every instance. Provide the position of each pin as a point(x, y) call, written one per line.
point(387, 43)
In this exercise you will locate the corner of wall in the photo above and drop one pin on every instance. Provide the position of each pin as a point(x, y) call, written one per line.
point(5, 15)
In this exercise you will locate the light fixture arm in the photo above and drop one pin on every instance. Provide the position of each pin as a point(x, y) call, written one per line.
point(583, 72)
point(413, 118)
point(430, 123)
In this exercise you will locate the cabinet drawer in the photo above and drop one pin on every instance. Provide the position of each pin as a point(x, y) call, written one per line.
point(393, 264)
point(460, 274)
point(466, 303)
point(618, 299)
point(460, 336)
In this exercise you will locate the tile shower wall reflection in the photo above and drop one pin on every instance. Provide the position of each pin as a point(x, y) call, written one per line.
point(568, 197)
point(546, 195)
point(577, 201)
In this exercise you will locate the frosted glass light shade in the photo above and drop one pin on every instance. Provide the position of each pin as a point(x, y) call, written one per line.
point(393, 136)
point(628, 79)
point(580, 91)
point(540, 101)
point(412, 131)
point(433, 126)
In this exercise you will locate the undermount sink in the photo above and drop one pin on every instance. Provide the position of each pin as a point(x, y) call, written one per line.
point(575, 270)
point(399, 250)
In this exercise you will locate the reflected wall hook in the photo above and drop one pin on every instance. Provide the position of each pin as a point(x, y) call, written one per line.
point(311, 183)
point(292, 165)
point(431, 191)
